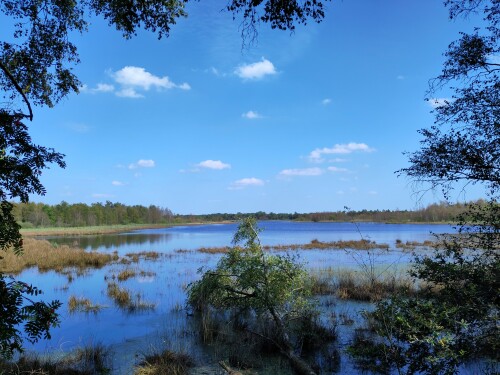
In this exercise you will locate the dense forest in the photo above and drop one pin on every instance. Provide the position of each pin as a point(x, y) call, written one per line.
point(31, 215)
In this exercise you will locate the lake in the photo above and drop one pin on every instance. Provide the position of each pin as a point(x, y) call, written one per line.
point(162, 282)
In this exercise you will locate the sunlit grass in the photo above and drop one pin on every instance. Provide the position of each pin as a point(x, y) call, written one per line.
point(354, 285)
point(126, 301)
point(167, 362)
point(82, 304)
point(45, 256)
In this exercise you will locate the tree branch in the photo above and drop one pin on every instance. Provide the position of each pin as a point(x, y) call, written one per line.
point(19, 90)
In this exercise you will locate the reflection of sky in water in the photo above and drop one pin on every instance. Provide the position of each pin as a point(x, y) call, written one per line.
point(167, 240)
point(132, 333)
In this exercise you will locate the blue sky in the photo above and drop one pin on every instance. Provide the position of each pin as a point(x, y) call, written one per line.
point(312, 121)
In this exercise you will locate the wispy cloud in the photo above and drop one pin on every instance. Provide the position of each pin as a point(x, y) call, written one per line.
point(142, 163)
point(251, 115)
point(345, 148)
point(78, 127)
point(400, 77)
point(439, 102)
point(326, 101)
point(256, 70)
point(100, 87)
point(246, 182)
point(301, 172)
point(337, 169)
point(213, 164)
point(117, 183)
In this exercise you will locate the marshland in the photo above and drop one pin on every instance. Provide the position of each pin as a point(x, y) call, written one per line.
point(125, 293)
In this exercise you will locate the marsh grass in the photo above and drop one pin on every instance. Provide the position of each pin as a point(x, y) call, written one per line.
point(353, 285)
point(412, 245)
point(124, 299)
point(45, 256)
point(89, 360)
point(143, 255)
point(126, 274)
point(82, 304)
point(166, 362)
point(313, 245)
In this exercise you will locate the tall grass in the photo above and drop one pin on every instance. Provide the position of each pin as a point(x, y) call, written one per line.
point(89, 360)
point(313, 245)
point(167, 362)
point(88, 230)
point(82, 304)
point(124, 299)
point(354, 285)
point(45, 256)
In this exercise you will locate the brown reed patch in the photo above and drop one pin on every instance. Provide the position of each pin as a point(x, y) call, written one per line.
point(313, 245)
point(167, 362)
point(126, 274)
point(143, 255)
point(124, 299)
point(82, 304)
point(412, 245)
point(45, 256)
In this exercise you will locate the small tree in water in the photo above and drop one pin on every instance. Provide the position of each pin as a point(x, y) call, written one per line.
point(274, 288)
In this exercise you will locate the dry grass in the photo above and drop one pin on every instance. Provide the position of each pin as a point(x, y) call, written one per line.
point(167, 362)
point(313, 245)
point(126, 274)
point(412, 245)
point(348, 284)
point(143, 255)
point(82, 304)
point(124, 299)
point(89, 360)
point(45, 256)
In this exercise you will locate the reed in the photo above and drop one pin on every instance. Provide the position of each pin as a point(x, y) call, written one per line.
point(82, 304)
point(45, 256)
point(88, 230)
point(313, 245)
point(88, 360)
point(123, 299)
point(126, 274)
point(167, 362)
point(143, 255)
point(354, 285)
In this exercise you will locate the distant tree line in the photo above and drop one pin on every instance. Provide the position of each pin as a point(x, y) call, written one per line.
point(437, 212)
point(79, 215)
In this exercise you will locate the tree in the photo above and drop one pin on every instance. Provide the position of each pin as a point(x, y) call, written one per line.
point(273, 287)
point(464, 143)
point(36, 62)
point(454, 319)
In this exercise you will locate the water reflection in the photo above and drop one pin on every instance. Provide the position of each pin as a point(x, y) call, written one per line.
point(112, 241)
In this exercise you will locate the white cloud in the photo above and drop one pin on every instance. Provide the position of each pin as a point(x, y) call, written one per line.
point(251, 115)
point(129, 92)
point(345, 148)
point(256, 70)
point(142, 163)
point(337, 160)
point(439, 102)
point(213, 164)
point(337, 169)
point(245, 182)
point(373, 192)
point(133, 78)
point(326, 101)
point(101, 87)
point(301, 172)
point(117, 183)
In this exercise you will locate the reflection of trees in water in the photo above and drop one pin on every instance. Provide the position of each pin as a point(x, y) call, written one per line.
point(109, 241)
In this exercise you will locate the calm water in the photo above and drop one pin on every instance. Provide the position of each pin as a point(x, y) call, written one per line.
point(129, 334)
